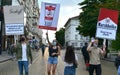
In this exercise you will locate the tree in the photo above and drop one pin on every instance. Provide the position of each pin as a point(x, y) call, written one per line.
point(116, 43)
point(60, 36)
point(89, 16)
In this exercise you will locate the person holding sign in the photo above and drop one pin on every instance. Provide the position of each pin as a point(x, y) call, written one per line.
point(95, 53)
point(23, 55)
point(54, 51)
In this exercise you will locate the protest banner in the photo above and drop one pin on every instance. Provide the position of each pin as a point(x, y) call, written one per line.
point(49, 16)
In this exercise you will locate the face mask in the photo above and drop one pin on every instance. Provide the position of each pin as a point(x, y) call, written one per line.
point(54, 43)
point(95, 45)
point(22, 39)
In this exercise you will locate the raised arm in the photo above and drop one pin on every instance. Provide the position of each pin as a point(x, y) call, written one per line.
point(89, 46)
point(103, 50)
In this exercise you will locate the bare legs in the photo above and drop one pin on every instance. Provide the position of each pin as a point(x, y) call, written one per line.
point(51, 67)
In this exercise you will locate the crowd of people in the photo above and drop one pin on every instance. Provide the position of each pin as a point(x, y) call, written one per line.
point(91, 54)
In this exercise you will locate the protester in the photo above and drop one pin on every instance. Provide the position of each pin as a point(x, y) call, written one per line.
point(23, 54)
point(54, 51)
point(86, 56)
point(71, 61)
point(117, 63)
point(34, 44)
point(12, 47)
point(43, 49)
point(95, 53)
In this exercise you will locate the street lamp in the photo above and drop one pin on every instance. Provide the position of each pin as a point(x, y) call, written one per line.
point(1, 20)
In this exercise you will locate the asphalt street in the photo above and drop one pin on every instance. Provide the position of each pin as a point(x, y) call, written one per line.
point(38, 67)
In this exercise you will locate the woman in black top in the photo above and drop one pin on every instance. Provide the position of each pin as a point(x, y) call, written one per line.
point(54, 51)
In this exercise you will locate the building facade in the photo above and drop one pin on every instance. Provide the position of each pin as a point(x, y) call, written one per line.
point(72, 36)
point(32, 14)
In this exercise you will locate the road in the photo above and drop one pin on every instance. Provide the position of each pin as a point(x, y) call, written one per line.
point(39, 66)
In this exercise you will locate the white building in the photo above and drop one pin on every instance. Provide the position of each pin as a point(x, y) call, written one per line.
point(72, 36)
point(31, 8)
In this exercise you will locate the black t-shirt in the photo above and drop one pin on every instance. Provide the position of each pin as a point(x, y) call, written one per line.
point(52, 50)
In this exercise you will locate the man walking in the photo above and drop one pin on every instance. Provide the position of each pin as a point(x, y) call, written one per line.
point(86, 55)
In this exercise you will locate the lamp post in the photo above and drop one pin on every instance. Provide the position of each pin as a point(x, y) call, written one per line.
point(1, 22)
point(0, 38)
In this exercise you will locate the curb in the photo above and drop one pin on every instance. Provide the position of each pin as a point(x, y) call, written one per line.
point(107, 59)
point(6, 59)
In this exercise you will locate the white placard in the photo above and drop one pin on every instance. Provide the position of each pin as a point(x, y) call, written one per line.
point(49, 16)
point(107, 24)
point(106, 29)
point(13, 14)
point(14, 29)
point(14, 20)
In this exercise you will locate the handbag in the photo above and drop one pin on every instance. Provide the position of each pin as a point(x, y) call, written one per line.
point(75, 65)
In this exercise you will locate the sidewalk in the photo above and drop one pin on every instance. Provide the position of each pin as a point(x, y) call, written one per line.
point(11, 67)
point(5, 57)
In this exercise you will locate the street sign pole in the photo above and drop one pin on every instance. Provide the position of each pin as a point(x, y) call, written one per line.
point(1, 20)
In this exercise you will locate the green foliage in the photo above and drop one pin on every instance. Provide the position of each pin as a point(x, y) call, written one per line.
point(116, 43)
point(60, 36)
point(88, 18)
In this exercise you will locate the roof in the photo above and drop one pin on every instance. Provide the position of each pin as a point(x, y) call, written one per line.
point(70, 20)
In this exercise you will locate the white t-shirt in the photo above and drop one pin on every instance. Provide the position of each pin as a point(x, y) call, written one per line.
point(70, 64)
point(24, 52)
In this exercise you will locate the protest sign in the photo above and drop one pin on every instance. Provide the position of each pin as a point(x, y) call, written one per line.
point(49, 16)
point(107, 24)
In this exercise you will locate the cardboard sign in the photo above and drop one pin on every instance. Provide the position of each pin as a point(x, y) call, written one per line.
point(14, 20)
point(49, 16)
point(107, 24)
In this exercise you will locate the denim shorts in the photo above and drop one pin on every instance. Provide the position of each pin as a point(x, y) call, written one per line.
point(53, 60)
point(70, 70)
point(119, 70)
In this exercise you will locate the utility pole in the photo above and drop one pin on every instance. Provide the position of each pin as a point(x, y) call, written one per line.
point(1, 23)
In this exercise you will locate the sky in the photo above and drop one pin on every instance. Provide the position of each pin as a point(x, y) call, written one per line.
point(68, 9)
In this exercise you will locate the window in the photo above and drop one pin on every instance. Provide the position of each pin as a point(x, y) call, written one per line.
point(7, 2)
point(72, 44)
point(0, 2)
point(76, 30)
point(81, 44)
point(87, 38)
point(75, 43)
point(81, 37)
point(76, 37)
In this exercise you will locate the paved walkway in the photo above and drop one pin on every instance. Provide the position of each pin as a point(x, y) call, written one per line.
point(5, 56)
point(108, 68)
